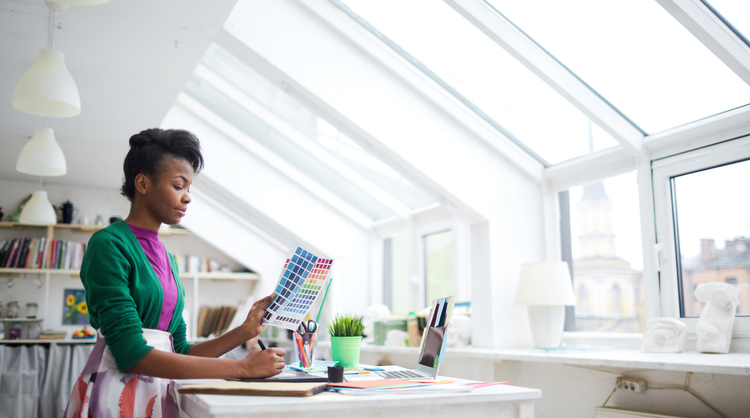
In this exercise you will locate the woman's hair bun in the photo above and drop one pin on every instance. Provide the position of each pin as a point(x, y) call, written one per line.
point(141, 139)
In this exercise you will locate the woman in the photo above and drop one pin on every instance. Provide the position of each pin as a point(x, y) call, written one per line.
point(135, 298)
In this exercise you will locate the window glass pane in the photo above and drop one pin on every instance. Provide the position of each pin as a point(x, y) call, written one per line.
point(485, 74)
point(395, 281)
point(607, 258)
point(737, 12)
point(635, 55)
point(286, 107)
point(438, 255)
point(259, 131)
point(712, 211)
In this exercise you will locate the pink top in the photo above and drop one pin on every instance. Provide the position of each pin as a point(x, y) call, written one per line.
point(157, 255)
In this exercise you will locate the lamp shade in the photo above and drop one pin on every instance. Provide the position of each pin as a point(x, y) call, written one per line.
point(545, 284)
point(38, 210)
point(42, 155)
point(47, 88)
point(79, 2)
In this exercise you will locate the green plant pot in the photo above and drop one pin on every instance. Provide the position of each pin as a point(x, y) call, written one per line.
point(345, 350)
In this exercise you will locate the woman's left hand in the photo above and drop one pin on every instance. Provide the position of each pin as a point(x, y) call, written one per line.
point(255, 316)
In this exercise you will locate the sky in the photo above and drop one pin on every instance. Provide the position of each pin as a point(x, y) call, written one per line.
point(709, 205)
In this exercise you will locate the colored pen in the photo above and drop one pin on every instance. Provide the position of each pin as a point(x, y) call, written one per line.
point(260, 343)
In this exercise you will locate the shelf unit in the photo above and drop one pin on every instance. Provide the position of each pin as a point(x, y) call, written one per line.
point(64, 341)
point(47, 273)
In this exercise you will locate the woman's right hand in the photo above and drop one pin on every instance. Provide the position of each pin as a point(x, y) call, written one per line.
point(260, 364)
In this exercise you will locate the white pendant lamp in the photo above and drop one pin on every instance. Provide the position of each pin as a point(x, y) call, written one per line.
point(38, 210)
point(47, 88)
point(79, 2)
point(42, 155)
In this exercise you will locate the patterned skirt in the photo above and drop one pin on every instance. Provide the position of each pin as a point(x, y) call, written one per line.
point(102, 391)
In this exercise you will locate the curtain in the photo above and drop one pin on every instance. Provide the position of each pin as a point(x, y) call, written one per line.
point(36, 380)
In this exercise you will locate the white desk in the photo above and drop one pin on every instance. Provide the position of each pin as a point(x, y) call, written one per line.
point(499, 401)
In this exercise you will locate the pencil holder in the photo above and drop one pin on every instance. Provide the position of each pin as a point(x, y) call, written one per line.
point(304, 347)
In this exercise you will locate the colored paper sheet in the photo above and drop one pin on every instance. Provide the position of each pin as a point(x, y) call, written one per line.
point(301, 281)
point(478, 385)
point(376, 384)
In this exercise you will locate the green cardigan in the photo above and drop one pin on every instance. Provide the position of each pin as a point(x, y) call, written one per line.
point(124, 295)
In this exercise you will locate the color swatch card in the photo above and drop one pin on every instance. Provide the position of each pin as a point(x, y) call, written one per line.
point(303, 278)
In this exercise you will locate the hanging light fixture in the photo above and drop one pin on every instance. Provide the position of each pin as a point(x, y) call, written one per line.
point(38, 210)
point(47, 88)
point(42, 155)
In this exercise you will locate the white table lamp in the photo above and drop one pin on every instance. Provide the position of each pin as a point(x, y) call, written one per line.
point(546, 288)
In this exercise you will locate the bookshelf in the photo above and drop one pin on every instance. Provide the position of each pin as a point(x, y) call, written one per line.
point(44, 275)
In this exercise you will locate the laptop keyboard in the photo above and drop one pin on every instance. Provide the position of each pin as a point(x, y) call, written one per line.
point(401, 374)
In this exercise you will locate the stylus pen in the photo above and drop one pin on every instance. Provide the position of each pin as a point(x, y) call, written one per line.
point(260, 343)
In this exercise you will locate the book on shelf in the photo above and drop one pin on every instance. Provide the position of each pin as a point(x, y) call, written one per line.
point(31, 253)
point(187, 263)
point(53, 335)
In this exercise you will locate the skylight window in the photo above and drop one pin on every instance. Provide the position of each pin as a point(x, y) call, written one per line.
point(314, 128)
point(636, 56)
point(486, 75)
point(736, 12)
point(274, 141)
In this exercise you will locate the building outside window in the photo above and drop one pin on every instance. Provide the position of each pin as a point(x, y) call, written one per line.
point(609, 288)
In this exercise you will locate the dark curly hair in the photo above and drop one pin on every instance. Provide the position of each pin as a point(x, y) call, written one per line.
point(149, 150)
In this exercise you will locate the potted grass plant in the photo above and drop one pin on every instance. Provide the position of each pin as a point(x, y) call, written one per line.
point(346, 338)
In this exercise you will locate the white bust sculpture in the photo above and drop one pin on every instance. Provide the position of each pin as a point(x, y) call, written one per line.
point(459, 331)
point(714, 328)
point(664, 335)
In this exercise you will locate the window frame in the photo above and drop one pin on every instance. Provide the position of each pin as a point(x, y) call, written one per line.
point(415, 228)
point(665, 250)
point(422, 249)
point(421, 230)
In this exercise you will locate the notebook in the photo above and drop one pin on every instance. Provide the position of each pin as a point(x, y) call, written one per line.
point(432, 350)
point(254, 388)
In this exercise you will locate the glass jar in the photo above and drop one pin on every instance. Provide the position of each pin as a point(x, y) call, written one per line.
point(12, 310)
point(31, 309)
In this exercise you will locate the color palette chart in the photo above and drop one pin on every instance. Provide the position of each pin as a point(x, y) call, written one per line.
point(302, 280)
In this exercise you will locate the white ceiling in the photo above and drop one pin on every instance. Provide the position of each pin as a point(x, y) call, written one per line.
point(130, 60)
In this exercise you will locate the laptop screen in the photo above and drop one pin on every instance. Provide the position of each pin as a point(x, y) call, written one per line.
point(433, 339)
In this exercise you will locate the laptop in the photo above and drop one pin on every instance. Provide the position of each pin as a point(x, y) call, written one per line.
point(433, 345)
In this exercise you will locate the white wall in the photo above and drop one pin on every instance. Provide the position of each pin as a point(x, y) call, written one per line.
point(307, 52)
point(569, 391)
point(574, 392)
